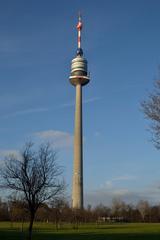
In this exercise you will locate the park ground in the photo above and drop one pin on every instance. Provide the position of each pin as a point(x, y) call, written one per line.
point(47, 231)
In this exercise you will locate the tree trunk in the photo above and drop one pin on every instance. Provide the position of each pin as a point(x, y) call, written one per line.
point(31, 225)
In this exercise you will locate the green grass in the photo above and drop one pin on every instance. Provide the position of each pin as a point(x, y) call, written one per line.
point(46, 231)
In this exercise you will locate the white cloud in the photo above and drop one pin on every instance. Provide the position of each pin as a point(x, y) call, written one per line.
point(121, 192)
point(93, 99)
point(105, 196)
point(108, 192)
point(124, 178)
point(9, 100)
point(110, 183)
point(89, 100)
point(4, 153)
point(58, 138)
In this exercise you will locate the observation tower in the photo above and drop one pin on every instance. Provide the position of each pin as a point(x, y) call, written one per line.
point(79, 77)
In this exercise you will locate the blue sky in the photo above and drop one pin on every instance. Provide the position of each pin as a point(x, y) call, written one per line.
point(120, 40)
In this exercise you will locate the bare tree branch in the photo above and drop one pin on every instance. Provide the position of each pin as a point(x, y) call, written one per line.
point(151, 109)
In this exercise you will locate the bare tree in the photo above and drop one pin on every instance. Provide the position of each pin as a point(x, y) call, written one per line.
point(144, 208)
point(35, 176)
point(118, 207)
point(151, 109)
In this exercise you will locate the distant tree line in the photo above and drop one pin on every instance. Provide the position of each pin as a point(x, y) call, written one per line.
point(59, 212)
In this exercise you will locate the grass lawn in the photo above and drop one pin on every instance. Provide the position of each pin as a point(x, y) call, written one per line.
point(46, 231)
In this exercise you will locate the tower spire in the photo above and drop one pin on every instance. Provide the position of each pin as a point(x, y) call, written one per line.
point(79, 29)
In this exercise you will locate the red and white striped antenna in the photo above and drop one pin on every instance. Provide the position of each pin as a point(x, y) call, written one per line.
point(79, 28)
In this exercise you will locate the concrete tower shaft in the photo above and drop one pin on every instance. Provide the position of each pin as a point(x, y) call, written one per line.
point(79, 77)
point(77, 187)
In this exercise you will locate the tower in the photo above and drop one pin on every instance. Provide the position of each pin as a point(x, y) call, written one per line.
point(78, 78)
